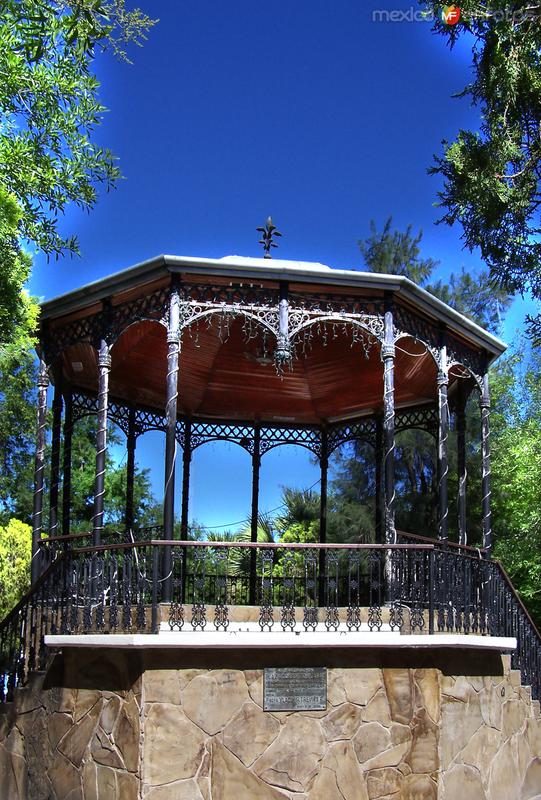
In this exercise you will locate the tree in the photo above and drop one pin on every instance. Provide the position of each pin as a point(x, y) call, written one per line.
point(17, 429)
point(396, 253)
point(399, 253)
point(18, 312)
point(301, 507)
point(491, 176)
point(351, 507)
point(516, 461)
point(15, 553)
point(49, 109)
point(83, 477)
point(17, 446)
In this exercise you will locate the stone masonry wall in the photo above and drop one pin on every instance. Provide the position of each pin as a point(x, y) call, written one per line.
point(402, 725)
point(74, 733)
point(397, 727)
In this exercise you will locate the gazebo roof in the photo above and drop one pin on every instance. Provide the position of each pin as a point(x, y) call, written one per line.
point(231, 376)
point(248, 269)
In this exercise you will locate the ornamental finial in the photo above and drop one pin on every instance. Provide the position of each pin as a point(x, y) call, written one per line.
point(267, 238)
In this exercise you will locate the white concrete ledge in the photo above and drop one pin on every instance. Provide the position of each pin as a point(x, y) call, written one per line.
point(280, 640)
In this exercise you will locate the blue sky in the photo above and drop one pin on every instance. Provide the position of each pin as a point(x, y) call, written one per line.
point(309, 111)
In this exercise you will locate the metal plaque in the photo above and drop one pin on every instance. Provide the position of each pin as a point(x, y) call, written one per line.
point(295, 689)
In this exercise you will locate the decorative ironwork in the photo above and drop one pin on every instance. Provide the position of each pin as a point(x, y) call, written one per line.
point(332, 619)
point(266, 615)
point(485, 461)
point(84, 405)
point(81, 592)
point(176, 608)
point(353, 619)
point(459, 353)
point(218, 305)
point(310, 614)
point(39, 466)
point(387, 355)
point(141, 607)
point(443, 430)
point(241, 434)
point(395, 571)
point(423, 418)
point(407, 322)
point(335, 308)
point(267, 237)
point(221, 610)
point(113, 592)
point(146, 420)
point(87, 594)
point(199, 609)
point(58, 337)
point(363, 430)
point(375, 620)
point(287, 615)
point(417, 582)
point(127, 591)
point(151, 307)
point(107, 324)
point(276, 436)
point(99, 565)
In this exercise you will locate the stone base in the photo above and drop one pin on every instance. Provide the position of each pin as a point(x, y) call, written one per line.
point(177, 725)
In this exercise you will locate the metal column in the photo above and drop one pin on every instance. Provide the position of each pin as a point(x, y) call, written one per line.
point(39, 467)
point(171, 406)
point(104, 366)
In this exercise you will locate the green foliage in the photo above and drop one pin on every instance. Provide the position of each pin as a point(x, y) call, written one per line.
point(17, 447)
point(50, 107)
point(516, 467)
point(301, 506)
point(17, 431)
point(492, 175)
point(396, 253)
point(301, 533)
point(49, 110)
point(15, 554)
point(351, 506)
point(146, 510)
point(18, 312)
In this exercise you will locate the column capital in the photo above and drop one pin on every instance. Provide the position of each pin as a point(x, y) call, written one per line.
point(443, 378)
point(104, 358)
point(484, 396)
point(43, 375)
point(173, 336)
point(388, 350)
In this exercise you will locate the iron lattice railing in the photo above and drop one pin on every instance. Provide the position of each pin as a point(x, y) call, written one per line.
point(120, 587)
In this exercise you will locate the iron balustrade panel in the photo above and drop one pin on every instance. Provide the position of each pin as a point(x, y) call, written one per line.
point(118, 587)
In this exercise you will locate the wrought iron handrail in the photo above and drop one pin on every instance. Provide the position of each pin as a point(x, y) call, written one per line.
point(28, 595)
point(415, 537)
point(252, 545)
point(123, 587)
point(126, 534)
point(518, 599)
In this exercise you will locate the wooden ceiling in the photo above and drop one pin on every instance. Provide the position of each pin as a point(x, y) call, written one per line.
point(236, 379)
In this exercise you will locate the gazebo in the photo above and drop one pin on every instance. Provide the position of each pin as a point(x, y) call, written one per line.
point(263, 352)
point(367, 646)
point(259, 352)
